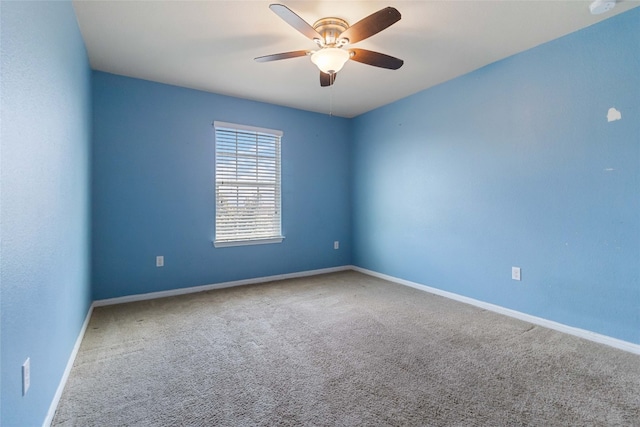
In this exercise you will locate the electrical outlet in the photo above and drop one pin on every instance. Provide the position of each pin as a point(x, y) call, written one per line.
point(160, 261)
point(26, 376)
point(336, 245)
point(515, 273)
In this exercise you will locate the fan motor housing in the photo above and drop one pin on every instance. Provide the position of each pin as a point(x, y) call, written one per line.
point(330, 30)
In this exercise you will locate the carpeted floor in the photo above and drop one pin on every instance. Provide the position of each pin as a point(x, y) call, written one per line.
point(340, 349)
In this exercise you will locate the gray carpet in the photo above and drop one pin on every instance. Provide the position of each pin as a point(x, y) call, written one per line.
point(340, 349)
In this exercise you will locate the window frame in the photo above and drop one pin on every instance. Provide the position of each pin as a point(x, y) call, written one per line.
point(246, 132)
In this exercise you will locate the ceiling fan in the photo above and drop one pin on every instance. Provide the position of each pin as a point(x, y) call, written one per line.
point(333, 36)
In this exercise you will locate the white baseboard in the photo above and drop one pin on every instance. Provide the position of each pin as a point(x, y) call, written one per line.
point(582, 333)
point(182, 291)
point(65, 376)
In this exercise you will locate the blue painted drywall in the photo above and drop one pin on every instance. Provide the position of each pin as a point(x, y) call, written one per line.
point(45, 132)
point(153, 194)
point(515, 164)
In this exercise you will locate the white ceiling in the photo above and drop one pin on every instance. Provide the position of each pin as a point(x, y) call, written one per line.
point(210, 45)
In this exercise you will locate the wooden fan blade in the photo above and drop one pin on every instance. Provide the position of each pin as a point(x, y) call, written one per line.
point(376, 59)
point(327, 79)
point(284, 55)
point(371, 25)
point(295, 21)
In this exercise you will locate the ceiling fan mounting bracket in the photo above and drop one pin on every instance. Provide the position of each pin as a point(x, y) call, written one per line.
point(330, 30)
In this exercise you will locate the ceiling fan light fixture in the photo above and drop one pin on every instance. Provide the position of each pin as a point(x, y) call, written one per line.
point(330, 60)
point(332, 35)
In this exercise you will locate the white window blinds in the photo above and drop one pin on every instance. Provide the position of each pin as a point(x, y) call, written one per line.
point(247, 185)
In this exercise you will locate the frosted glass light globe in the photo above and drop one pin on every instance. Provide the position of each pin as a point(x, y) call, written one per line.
point(330, 60)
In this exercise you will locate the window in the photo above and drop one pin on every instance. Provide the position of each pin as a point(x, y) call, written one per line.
point(247, 185)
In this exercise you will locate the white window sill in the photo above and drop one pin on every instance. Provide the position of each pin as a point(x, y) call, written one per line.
point(269, 241)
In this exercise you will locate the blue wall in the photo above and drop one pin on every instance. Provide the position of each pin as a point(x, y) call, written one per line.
point(153, 189)
point(515, 164)
point(45, 133)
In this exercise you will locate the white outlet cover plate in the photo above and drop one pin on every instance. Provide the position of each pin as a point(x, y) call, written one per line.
point(26, 376)
point(515, 273)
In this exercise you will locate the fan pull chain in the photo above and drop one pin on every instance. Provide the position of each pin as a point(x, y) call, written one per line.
point(332, 78)
point(331, 101)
